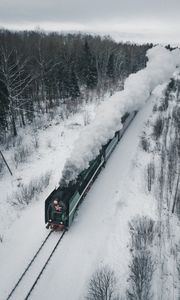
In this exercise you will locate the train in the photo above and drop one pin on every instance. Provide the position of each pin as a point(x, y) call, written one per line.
point(62, 203)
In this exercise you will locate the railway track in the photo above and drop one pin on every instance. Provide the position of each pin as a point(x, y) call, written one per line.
point(30, 277)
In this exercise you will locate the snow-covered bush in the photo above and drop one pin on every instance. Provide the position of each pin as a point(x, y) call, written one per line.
point(150, 175)
point(21, 154)
point(142, 232)
point(158, 128)
point(49, 143)
point(1, 238)
point(35, 141)
point(145, 143)
point(178, 211)
point(1, 166)
point(28, 192)
point(86, 118)
point(163, 106)
point(176, 116)
point(10, 141)
point(6, 141)
point(71, 106)
point(17, 141)
point(142, 264)
point(141, 272)
point(102, 285)
point(178, 268)
point(172, 159)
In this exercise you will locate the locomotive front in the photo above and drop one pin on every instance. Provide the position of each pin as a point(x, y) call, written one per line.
point(56, 211)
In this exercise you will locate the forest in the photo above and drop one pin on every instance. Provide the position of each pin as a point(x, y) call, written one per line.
point(40, 71)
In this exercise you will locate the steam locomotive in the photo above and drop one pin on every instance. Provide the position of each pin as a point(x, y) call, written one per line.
point(61, 204)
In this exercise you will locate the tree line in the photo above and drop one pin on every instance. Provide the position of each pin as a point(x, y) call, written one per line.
point(39, 71)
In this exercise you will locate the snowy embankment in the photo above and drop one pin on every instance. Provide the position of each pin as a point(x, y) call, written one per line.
point(161, 144)
point(138, 87)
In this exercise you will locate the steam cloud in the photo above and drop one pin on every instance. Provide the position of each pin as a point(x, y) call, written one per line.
point(160, 67)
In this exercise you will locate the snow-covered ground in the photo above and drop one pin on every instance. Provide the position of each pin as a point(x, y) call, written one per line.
point(99, 234)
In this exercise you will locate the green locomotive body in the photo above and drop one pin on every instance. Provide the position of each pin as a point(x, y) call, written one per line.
point(61, 216)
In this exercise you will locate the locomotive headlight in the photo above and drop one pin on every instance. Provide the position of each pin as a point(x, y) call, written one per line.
point(50, 221)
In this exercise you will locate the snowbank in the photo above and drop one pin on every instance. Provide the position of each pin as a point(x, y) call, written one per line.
point(160, 67)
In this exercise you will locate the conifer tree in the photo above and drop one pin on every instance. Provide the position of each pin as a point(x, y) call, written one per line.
point(74, 91)
point(89, 68)
point(110, 67)
point(4, 103)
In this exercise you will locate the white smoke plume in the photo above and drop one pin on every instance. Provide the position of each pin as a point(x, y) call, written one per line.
point(160, 67)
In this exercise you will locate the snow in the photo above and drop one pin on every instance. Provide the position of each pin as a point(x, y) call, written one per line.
point(99, 234)
point(161, 65)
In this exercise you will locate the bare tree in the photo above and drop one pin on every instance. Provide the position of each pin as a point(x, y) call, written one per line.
point(102, 285)
point(150, 175)
point(142, 264)
point(45, 68)
point(16, 81)
point(178, 270)
point(141, 271)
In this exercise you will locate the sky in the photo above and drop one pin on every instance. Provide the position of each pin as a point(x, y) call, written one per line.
point(130, 20)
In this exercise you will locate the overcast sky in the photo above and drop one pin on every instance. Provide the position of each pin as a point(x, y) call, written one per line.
point(138, 20)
